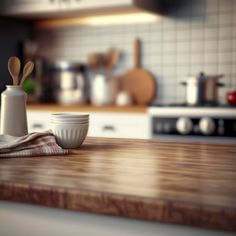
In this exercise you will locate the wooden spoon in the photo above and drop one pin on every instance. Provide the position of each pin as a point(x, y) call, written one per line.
point(96, 60)
point(14, 69)
point(28, 68)
point(115, 56)
point(112, 57)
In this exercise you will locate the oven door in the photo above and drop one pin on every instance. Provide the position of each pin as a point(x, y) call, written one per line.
point(197, 129)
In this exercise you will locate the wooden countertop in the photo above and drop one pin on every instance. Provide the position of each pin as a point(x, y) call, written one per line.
point(183, 183)
point(85, 108)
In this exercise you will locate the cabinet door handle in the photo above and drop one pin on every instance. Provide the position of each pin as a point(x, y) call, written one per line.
point(109, 128)
point(37, 126)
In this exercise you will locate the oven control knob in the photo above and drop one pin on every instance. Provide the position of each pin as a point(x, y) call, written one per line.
point(207, 126)
point(184, 125)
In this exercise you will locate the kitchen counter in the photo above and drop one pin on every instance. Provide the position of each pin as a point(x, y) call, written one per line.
point(85, 108)
point(184, 183)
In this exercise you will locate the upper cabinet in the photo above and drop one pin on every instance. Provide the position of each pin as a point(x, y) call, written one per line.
point(23, 7)
point(54, 8)
point(38, 9)
point(93, 4)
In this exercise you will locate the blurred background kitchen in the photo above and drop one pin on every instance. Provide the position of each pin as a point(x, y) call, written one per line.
point(143, 69)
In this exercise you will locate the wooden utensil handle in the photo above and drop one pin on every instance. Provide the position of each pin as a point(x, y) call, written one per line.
point(137, 53)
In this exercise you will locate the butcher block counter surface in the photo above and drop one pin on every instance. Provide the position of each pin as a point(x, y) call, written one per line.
point(183, 183)
point(86, 108)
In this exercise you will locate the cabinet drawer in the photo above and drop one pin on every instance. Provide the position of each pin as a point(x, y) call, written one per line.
point(113, 125)
point(38, 121)
point(120, 126)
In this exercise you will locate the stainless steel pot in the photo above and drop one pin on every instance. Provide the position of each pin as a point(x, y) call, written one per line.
point(202, 89)
point(69, 81)
point(211, 86)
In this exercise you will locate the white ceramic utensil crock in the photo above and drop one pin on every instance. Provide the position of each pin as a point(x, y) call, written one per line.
point(13, 111)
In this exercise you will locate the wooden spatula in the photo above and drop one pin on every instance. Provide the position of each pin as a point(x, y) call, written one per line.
point(14, 69)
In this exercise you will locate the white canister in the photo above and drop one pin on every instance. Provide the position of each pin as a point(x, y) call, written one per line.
point(13, 111)
point(103, 90)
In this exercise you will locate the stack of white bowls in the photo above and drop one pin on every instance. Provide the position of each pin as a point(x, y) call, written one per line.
point(70, 130)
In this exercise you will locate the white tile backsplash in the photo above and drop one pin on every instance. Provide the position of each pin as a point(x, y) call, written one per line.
point(225, 58)
point(225, 33)
point(200, 36)
point(234, 17)
point(212, 6)
point(155, 37)
point(168, 59)
point(211, 33)
point(196, 59)
point(183, 25)
point(169, 36)
point(169, 23)
point(170, 72)
point(210, 69)
point(196, 47)
point(169, 47)
point(182, 71)
point(194, 69)
point(225, 6)
point(210, 58)
point(197, 34)
point(183, 59)
point(225, 19)
point(225, 69)
point(211, 21)
point(225, 45)
point(210, 46)
point(183, 35)
point(234, 45)
point(197, 21)
point(183, 47)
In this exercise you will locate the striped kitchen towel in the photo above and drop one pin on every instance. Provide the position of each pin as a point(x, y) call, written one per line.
point(30, 145)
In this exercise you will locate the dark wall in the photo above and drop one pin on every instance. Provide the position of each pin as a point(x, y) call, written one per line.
point(13, 33)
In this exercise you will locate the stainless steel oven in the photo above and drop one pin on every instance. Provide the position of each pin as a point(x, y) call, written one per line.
point(185, 123)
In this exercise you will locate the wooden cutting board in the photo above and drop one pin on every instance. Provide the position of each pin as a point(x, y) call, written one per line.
point(138, 82)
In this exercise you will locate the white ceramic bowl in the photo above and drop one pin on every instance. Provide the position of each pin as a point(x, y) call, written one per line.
point(70, 122)
point(66, 118)
point(69, 116)
point(70, 135)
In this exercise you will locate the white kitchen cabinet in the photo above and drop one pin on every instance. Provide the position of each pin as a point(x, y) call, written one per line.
point(92, 4)
point(19, 7)
point(49, 8)
point(119, 125)
point(102, 124)
point(38, 121)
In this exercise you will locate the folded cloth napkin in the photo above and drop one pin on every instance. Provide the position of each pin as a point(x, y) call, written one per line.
point(33, 144)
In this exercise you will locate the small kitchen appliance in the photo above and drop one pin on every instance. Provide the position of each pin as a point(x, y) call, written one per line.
point(64, 82)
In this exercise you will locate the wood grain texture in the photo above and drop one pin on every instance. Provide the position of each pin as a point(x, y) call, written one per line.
point(85, 108)
point(183, 183)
